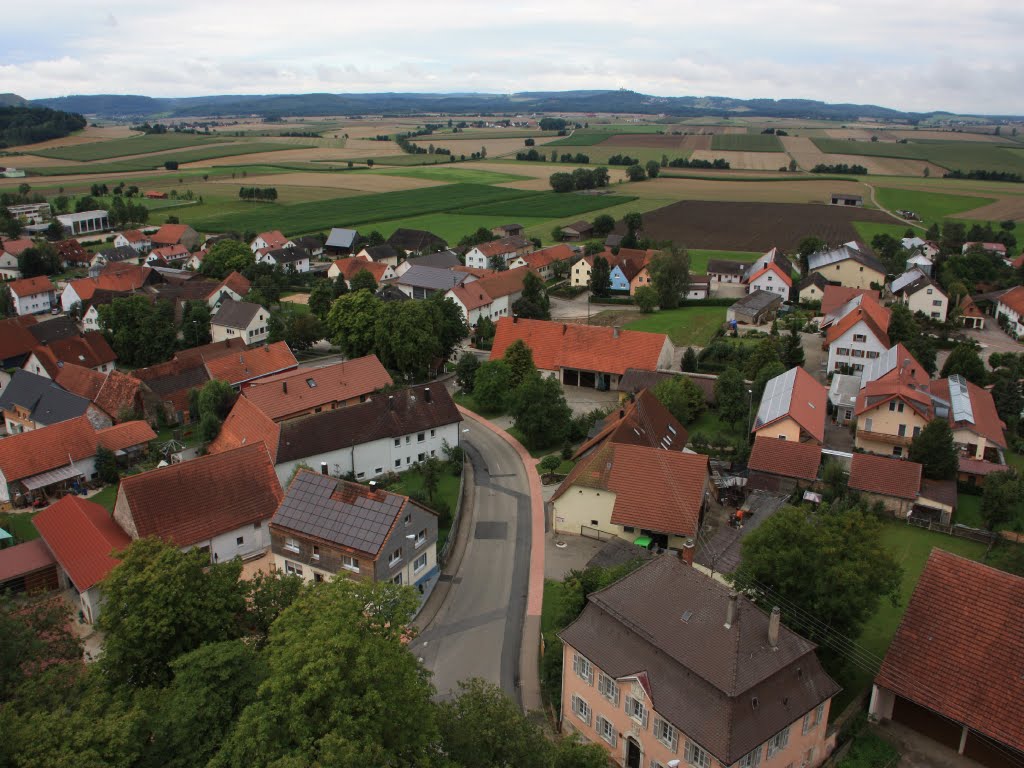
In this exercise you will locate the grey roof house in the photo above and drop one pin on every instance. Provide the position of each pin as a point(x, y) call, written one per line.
point(423, 282)
point(326, 527)
point(416, 241)
point(341, 242)
point(755, 308)
point(31, 402)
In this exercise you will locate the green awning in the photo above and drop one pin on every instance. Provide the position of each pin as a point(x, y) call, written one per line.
point(642, 541)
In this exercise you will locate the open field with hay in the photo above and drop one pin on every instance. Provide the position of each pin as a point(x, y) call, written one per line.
point(136, 145)
point(747, 142)
point(931, 207)
point(88, 135)
point(1000, 210)
point(807, 155)
point(361, 181)
point(744, 161)
point(965, 156)
point(782, 191)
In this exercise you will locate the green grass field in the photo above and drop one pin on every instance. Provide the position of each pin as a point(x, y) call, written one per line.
point(405, 160)
point(932, 207)
point(19, 525)
point(953, 155)
point(135, 145)
point(699, 258)
point(361, 209)
point(452, 227)
point(868, 229)
point(547, 204)
point(712, 427)
point(687, 327)
point(455, 175)
point(968, 512)
point(599, 154)
point(447, 490)
point(580, 138)
point(746, 142)
point(106, 498)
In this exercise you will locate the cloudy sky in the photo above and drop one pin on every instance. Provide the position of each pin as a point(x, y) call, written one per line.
point(915, 55)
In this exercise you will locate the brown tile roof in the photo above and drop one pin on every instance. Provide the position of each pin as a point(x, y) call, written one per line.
point(502, 246)
point(785, 458)
point(701, 675)
point(129, 277)
point(875, 317)
point(836, 295)
point(82, 535)
point(72, 251)
point(211, 351)
point(288, 394)
point(169, 234)
point(885, 476)
point(644, 421)
point(24, 558)
point(170, 252)
point(80, 380)
point(352, 266)
point(482, 292)
point(246, 424)
point(274, 238)
point(547, 256)
point(958, 649)
point(16, 246)
point(252, 363)
point(980, 467)
point(942, 491)
point(969, 309)
point(654, 488)
point(41, 450)
point(587, 347)
point(237, 283)
point(134, 236)
point(119, 393)
point(15, 338)
point(195, 500)
point(30, 286)
point(89, 350)
point(986, 419)
point(125, 435)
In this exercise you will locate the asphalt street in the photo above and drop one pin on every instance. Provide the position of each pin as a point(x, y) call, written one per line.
point(478, 630)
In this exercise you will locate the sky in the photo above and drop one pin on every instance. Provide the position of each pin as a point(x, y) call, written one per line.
point(915, 55)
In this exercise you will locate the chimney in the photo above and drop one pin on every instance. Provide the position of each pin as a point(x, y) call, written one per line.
point(426, 394)
point(284, 387)
point(773, 627)
point(730, 610)
point(515, 319)
point(615, 331)
point(564, 328)
point(323, 467)
point(686, 553)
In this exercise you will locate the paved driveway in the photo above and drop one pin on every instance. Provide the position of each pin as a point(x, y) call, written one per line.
point(992, 339)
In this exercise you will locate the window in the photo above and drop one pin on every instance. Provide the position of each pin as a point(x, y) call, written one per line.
point(696, 756)
point(871, 355)
point(318, 578)
point(626, 528)
point(606, 730)
point(778, 742)
point(897, 452)
point(421, 537)
point(408, 439)
point(350, 563)
point(812, 718)
point(293, 568)
point(608, 688)
point(859, 337)
point(292, 545)
point(433, 432)
point(421, 456)
point(929, 291)
point(867, 425)
point(421, 437)
point(844, 351)
point(398, 462)
point(666, 734)
point(407, 519)
point(395, 558)
point(901, 430)
point(917, 431)
point(419, 563)
point(397, 580)
point(581, 708)
point(937, 302)
point(239, 541)
point(582, 667)
point(398, 441)
point(316, 552)
point(750, 760)
point(636, 710)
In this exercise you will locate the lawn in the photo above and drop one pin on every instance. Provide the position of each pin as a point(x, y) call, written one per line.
point(411, 482)
point(106, 498)
point(686, 327)
point(699, 258)
point(19, 525)
point(968, 512)
point(931, 207)
point(451, 227)
point(537, 453)
point(549, 205)
point(746, 142)
point(954, 155)
point(868, 229)
point(468, 401)
point(455, 175)
point(135, 145)
point(711, 426)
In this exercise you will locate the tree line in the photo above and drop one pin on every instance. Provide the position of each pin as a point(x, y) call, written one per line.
point(30, 125)
point(857, 170)
point(258, 193)
point(581, 178)
point(982, 175)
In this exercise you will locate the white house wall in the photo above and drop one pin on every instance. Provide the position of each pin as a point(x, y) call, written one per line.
point(872, 345)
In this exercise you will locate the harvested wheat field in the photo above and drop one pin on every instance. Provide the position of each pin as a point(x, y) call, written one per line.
point(309, 154)
point(495, 147)
point(371, 148)
point(695, 143)
point(948, 136)
point(749, 161)
point(1000, 210)
point(361, 181)
point(783, 191)
point(34, 161)
point(857, 134)
point(807, 155)
point(644, 140)
point(88, 135)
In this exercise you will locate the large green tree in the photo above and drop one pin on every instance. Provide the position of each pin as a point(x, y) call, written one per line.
point(540, 412)
point(534, 303)
point(935, 450)
point(40, 259)
point(352, 322)
point(33, 636)
point(363, 280)
point(670, 276)
point(1001, 498)
point(965, 361)
point(226, 257)
point(405, 339)
point(140, 332)
point(830, 565)
point(492, 386)
point(161, 603)
point(195, 324)
point(519, 359)
point(321, 298)
point(600, 277)
point(792, 351)
point(448, 322)
point(731, 396)
point(465, 371)
point(682, 398)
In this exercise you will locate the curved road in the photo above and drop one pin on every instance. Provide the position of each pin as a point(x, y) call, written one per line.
point(478, 631)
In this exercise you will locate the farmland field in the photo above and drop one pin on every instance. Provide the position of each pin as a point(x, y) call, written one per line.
point(580, 138)
point(807, 154)
point(745, 161)
point(686, 327)
point(727, 226)
point(149, 162)
point(699, 258)
point(1001, 210)
point(747, 142)
point(460, 175)
point(547, 205)
point(449, 226)
point(135, 145)
point(931, 207)
point(952, 155)
point(866, 230)
point(648, 141)
point(359, 180)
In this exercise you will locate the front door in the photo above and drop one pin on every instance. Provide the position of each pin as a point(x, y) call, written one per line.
point(632, 754)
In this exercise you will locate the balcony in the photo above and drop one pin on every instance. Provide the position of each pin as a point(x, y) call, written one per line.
point(884, 437)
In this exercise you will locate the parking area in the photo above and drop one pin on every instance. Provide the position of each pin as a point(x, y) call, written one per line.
point(992, 339)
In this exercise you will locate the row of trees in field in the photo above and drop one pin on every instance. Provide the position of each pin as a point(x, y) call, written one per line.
point(258, 193)
point(581, 178)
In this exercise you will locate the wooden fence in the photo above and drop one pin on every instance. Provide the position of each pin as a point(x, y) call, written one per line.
point(960, 531)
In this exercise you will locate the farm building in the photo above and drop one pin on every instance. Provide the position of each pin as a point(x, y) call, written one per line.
point(580, 230)
point(412, 241)
point(508, 230)
point(848, 265)
point(841, 199)
point(439, 260)
point(755, 308)
point(970, 315)
point(85, 222)
point(811, 288)
point(724, 271)
point(341, 242)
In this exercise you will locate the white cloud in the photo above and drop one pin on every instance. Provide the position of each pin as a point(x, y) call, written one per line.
point(919, 54)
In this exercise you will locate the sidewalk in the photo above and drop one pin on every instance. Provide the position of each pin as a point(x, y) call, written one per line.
point(529, 654)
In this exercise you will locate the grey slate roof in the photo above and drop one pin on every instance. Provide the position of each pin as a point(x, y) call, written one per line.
point(288, 255)
point(235, 314)
point(341, 238)
point(44, 399)
point(382, 252)
point(338, 511)
point(756, 302)
point(441, 259)
point(432, 278)
point(842, 253)
point(703, 678)
point(726, 267)
point(121, 253)
point(416, 240)
point(52, 330)
point(815, 278)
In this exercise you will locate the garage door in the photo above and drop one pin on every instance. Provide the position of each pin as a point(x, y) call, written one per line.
point(926, 722)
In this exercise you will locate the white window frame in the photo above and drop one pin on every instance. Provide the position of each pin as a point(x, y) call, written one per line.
point(395, 557)
point(696, 756)
point(778, 742)
point(667, 734)
point(752, 759)
point(581, 708)
point(350, 563)
point(606, 730)
point(583, 668)
point(636, 710)
point(295, 569)
point(421, 538)
point(419, 563)
point(608, 688)
point(813, 718)
point(291, 544)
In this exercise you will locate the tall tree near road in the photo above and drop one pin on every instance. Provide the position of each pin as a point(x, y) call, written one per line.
point(670, 276)
point(600, 277)
point(352, 322)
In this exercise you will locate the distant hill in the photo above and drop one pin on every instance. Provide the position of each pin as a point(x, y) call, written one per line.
point(28, 125)
point(319, 104)
point(12, 100)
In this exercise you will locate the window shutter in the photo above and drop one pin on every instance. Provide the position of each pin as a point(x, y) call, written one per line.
point(576, 663)
point(645, 717)
point(675, 741)
point(615, 690)
point(590, 675)
point(629, 705)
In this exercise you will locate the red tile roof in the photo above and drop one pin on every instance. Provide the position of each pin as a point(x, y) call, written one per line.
point(15, 338)
point(834, 296)
point(655, 489)
point(546, 256)
point(17, 246)
point(644, 421)
point(82, 536)
point(274, 238)
point(967, 306)
point(807, 405)
point(134, 236)
point(958, 649)
point(288, 394)
point(237, 283)
point(252, 363)
point(875, 317)
point(986, 419)
point(125, 278)
point(170, 252)
point(885, 476)
point(119, 393)
point(30, 286)
point(586, 347)
point(1014, 299)
point(352, 266)
point(24, 558)
point(80, 380)
point(169, 234)
point(195, 500)
point(502, 246)
point(41, 450)
point(482, 292)
point(785, 458)
point(89, 350)
point(246, 424)
point(127, 434)
point(72, 251)
point(772, 267)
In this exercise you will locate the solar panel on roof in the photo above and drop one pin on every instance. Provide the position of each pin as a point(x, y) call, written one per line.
point(879, 366)
point(777, 396)
point(960, 399)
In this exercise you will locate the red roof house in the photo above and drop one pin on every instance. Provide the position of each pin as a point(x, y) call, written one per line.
point(784, 459)
point(792, 408)
point(252, 363)
point(894, 482)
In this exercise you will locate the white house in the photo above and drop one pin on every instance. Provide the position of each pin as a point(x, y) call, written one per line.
point(491, 297)
point(1011, 305)
point(32, 295)
point(240, 319)
point(388, 432)
point(503, 251)
point(133, 238)
point(858, 336)
point(10, 250)
point(293, 258)
point(270, 240)
point(771, 278)
point(921, 294)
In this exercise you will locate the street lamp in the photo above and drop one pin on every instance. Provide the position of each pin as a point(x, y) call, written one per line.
point(750, 407)
point(408, 561)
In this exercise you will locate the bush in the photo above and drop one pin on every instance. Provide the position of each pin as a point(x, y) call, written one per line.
point(550, 463)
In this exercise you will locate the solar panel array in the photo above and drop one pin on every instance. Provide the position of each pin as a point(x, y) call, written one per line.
point(900, 282)
point(777, 396)
point(879, 366)
point(358, 522)
point(960, 399)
